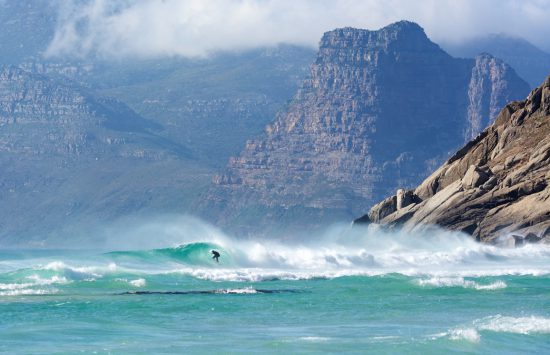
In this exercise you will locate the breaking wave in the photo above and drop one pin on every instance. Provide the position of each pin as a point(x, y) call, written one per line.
point(440, 258)
point(436, 259)
point(460, 282)
point(499, 324)
point(518, 325)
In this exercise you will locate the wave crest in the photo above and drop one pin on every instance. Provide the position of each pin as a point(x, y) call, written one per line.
point(518, 325)
point(460, 282)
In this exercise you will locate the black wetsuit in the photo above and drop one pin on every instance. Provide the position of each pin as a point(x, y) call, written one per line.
point(215, 255)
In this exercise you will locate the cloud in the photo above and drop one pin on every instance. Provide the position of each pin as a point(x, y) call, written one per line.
point(195, 28)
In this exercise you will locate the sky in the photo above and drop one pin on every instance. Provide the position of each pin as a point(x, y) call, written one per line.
point(197, 28)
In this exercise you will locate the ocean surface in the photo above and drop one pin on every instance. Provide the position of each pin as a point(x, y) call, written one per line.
point(345, 292)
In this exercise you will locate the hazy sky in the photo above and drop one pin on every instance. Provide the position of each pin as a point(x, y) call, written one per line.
point(198, 27)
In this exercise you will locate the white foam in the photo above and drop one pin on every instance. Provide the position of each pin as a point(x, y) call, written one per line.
point(468, 334)
point(500, 324)
point(492, 286)
point(137, 282)
point(359, 252)
point(257, 275)
point(80, 272)
point(49, 281)
point(460, 282)
point(519, 325)
point(36, 281)
point(238, 291)
point(26, 291)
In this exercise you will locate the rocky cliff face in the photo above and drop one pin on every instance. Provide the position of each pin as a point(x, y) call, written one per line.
point(380, 109)
point(495, 186)
point(530, 62)
point(40, 116)
point(493, 83)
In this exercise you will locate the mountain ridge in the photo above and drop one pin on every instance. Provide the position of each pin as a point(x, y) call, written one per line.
point(529, 61)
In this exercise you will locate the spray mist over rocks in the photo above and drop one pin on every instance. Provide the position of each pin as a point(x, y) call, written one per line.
point(182, 245)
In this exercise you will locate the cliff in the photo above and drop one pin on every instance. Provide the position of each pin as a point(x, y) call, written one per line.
point(380, 109)
point(495, 186)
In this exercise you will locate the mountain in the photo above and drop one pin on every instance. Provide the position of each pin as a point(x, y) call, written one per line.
point(380, 109)
point(530, 62)
point(71, 158)
point(211, 105)
point(85, 141)
point(497, 185)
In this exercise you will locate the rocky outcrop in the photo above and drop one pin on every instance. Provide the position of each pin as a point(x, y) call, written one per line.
point(495, 186)
point(380, 109)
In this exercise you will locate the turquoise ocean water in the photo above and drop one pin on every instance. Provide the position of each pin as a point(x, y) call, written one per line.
point(362, 292)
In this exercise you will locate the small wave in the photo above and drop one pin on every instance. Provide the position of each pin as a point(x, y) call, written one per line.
point(36, 281)
point(518, 325)
point(197, 253)
point(468, 334)
point(443, 278)
point(238, 291)
point(137, 282)
point(80, 272)
point(500, 324)
point(28, 292)
point(459, 282)
point(258, 275)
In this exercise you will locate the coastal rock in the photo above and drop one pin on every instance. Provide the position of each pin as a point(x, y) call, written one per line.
point(405, 198)
point(383, 209)
point(497, 185)
point(379, 111)
point(474, 177)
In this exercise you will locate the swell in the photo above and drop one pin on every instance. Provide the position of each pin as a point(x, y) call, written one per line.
point(525, 325)
point(198, 253)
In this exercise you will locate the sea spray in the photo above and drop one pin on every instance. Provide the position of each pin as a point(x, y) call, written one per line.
point(347, 291)
point(439, 257)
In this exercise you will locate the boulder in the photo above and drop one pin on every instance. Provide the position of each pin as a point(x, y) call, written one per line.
point(405, 198)
point(474, 177)
point(496, 187)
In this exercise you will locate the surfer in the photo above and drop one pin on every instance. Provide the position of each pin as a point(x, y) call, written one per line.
point(215, 255)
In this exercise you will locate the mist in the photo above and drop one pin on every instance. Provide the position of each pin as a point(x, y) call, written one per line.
point(197, 28)
point(180, 244)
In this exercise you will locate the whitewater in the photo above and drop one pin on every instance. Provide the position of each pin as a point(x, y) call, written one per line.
point(352, 290)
